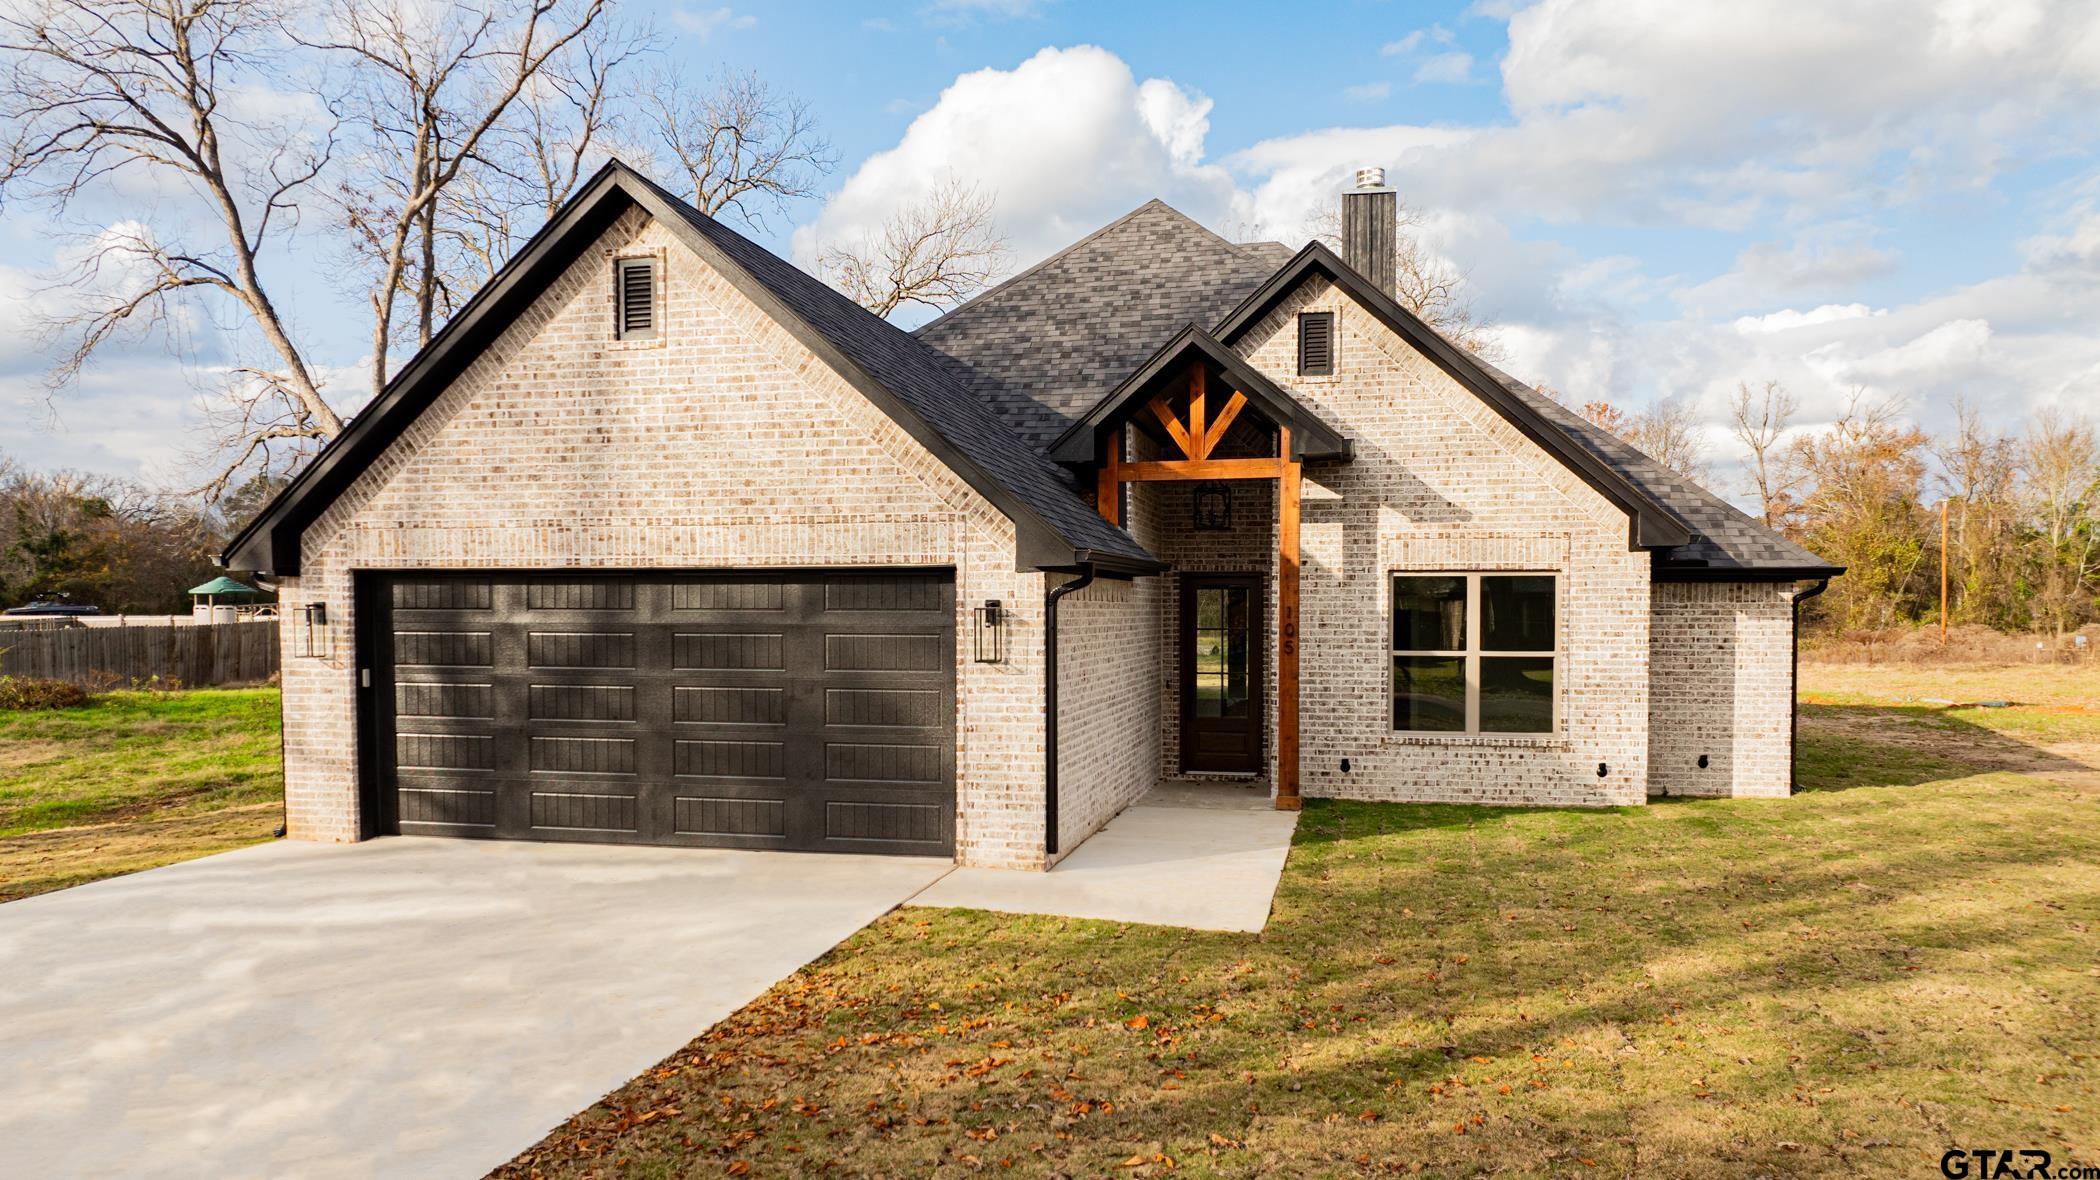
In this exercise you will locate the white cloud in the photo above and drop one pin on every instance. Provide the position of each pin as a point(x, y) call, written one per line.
point(1367, 92)
point(1451, 68)
point(706, 23)
point(1787, 319)
point(1433, 35)
point(1827, 258)
point(1065, 141)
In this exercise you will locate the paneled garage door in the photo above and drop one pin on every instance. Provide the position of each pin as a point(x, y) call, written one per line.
point(810, 711)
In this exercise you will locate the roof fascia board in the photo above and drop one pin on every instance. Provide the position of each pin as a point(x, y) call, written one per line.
point(1665, 572)
point(1652, 526)
point(1310, 437)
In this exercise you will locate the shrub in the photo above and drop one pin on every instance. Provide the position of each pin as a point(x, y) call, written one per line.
point(27, 692)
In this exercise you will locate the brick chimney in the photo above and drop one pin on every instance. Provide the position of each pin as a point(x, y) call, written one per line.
point(1369, 213)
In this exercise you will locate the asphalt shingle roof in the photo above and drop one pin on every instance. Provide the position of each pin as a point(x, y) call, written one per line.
point(1044, 346)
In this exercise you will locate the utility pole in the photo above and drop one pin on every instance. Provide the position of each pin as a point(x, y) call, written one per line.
point(1943, 571)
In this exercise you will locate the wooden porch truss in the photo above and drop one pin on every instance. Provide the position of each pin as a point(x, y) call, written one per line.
point(1197, 436)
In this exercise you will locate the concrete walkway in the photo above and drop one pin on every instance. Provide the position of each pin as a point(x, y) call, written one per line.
point(405, 1007)
point(1202, 856)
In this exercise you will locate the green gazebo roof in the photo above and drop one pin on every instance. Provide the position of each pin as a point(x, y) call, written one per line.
point(222, 585)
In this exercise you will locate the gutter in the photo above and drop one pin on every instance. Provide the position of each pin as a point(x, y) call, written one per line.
point(1793, 731)
point(1050, 601)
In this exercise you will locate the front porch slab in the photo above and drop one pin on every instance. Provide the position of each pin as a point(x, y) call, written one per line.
point(1204, 857)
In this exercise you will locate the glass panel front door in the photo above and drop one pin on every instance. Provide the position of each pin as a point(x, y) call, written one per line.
point(1221, 683)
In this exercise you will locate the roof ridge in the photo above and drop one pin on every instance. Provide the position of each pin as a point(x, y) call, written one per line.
point(1002, 287)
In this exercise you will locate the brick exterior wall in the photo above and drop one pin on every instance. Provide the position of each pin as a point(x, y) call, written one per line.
point(722, 444)
point(1439, 482)
point(725, 444)
point(1721, 685)
point(1108, 715)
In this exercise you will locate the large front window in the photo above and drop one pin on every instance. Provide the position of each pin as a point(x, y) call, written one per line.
point(1474, 653)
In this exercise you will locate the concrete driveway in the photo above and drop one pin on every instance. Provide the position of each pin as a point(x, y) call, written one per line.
point(404, 1007)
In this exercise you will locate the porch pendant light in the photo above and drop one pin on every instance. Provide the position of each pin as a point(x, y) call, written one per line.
point(1213, 506)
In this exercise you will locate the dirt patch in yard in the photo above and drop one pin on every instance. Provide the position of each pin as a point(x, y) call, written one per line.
point(40, 862)
point(2074, 764)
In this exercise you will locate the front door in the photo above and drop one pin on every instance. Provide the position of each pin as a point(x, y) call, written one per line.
point(1221, 680)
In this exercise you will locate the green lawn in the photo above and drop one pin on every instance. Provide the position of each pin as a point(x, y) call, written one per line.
point(133, 780)
point(1903, 959)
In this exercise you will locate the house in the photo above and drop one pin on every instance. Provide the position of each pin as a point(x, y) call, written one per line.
point(662, 540)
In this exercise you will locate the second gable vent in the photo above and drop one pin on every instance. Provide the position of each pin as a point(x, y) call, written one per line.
point(1316, 344)
point(636, 294)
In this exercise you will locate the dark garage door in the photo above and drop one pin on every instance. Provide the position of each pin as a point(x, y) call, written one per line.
point(810, 711)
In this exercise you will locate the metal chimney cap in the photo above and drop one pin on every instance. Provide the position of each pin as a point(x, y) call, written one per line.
point(1370, 178)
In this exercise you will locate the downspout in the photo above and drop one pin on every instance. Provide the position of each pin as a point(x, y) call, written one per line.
point(1050, 600)
point(1793, 717)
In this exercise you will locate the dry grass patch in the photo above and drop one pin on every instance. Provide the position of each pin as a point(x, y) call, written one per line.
point(43, 861)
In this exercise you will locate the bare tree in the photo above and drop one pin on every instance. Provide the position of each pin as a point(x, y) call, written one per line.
point(1669, 434)
point(435, 84)
point(934, 253)
point(1425, 282)
point(744, 149)
point(575, 115)
point(2061, 454)
point(97, 89)
point(1758, 420)
point(1979, 469)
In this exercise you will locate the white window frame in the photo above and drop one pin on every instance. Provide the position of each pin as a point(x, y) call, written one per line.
point(1471, 654)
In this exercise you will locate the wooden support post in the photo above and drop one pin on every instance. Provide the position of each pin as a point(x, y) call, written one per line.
point(1287, 627)
point(1108, 479)
point(1197, 434)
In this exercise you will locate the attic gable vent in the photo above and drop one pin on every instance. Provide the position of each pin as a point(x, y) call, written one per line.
point(634, 296)
point(1316, 344)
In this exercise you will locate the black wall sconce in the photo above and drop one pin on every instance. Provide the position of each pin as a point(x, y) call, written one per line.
point(313, 639)
point(991, 632)
point(1213, 506)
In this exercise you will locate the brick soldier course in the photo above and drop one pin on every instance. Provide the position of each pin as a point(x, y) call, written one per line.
point(765, 424)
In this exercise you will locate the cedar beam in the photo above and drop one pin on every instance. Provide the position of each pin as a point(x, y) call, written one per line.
point(1108, 483)
point(1165, 470)
point(1165, 413)
point(1287, 493)
point(1197, 434)
point(1217, 430)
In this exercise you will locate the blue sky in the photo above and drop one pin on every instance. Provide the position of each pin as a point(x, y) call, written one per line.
point(1654, 199)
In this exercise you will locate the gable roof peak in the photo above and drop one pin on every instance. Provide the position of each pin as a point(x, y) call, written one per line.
point(909, 382)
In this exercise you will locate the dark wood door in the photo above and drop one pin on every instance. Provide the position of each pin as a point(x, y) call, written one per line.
point(1221, 673)
point(810, 711)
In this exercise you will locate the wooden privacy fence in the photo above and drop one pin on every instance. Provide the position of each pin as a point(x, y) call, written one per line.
point(212, 653)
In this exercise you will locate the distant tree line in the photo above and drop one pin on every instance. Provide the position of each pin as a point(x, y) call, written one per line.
point(113, 543)
point(1866, 491)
